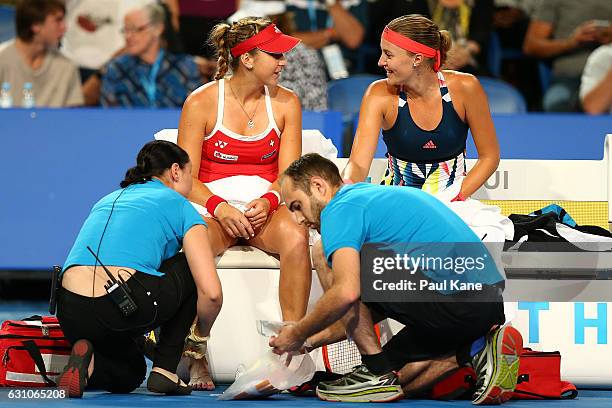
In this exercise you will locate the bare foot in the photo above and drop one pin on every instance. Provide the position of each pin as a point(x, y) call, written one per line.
point(199, 375)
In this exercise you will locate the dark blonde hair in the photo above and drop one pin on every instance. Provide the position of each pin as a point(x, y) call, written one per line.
point(224, 37)
point(423, 30)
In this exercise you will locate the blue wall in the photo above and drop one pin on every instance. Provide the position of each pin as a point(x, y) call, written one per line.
point(550, 136)
point(57, 163)
point(7, 22)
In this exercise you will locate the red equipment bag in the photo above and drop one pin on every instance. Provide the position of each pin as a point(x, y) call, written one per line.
point(33, 352)
point(457, 384)
point(540, 377)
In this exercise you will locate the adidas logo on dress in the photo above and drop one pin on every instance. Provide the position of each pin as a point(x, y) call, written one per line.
point(430, 145)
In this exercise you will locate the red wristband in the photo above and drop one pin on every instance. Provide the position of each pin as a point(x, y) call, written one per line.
point(212, 203)
point(459, 197)
point(273, 199)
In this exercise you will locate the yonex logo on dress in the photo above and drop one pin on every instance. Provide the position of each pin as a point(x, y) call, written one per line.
point(430, 145)
point(223, 156)
point(220, 144)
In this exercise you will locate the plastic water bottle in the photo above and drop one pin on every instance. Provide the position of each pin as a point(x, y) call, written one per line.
point(28, 96)
point(6, 99)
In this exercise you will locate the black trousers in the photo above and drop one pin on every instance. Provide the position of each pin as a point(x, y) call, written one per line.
point(436, 329)
point(119, 362)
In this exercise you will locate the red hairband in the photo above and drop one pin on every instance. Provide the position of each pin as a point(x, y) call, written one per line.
point(413, 46)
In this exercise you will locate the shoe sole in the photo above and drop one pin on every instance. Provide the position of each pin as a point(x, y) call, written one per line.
point(375, 394)
point(74, 378)
point(507, 345)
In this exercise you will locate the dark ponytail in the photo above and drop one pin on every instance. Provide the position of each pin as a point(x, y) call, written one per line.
point(153, 160)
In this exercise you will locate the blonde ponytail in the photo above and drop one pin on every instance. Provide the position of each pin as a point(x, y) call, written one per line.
point(217, 39)
point(224, 37)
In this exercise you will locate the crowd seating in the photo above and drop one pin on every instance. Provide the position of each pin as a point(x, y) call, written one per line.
point(503, 97)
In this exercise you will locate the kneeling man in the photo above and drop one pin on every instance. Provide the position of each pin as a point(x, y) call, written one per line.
point(452, 319)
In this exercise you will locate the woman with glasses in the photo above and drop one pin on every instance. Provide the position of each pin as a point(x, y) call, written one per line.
point(148, 75)
point(241, 131)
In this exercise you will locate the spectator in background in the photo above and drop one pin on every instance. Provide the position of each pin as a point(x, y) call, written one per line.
point(196, 20)
point(510, 20)
point(470, 23)
point(33, 58)
point(304, 73)
point(94, 37)
point(149, 75)
point(320, 23)
point(567, 30)
point(596, 83)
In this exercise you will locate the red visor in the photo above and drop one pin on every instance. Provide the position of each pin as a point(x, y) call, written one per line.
point(412, 46)
point(270, 39)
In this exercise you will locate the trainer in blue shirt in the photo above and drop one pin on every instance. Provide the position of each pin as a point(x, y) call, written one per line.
point(140, 281)
point(421, 240)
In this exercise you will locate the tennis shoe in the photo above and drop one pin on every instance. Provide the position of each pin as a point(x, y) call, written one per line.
point(361, 385)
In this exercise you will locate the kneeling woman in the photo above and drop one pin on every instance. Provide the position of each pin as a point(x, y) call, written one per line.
point(137, 233)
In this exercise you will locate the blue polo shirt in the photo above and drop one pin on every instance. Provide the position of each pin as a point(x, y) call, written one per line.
point(146, 227)
point(367, 213)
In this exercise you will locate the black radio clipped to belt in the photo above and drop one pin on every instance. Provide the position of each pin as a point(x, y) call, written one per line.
point(118, 290)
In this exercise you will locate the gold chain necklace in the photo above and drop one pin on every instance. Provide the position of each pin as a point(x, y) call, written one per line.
point(250, 123)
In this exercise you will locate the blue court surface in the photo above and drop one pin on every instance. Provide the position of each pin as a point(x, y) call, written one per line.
point(142, 398)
